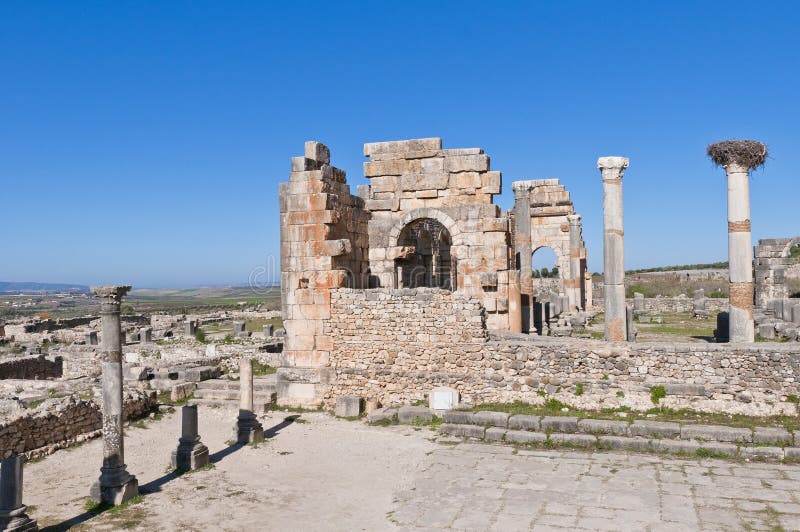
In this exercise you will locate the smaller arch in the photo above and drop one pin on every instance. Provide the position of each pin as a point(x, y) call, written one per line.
point(787, 251)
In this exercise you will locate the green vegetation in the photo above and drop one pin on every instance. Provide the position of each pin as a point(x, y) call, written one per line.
point(545, 273)
point(259, 369)
point(794, 251)
point(553, 407)
point(579, 389)
point(703, 266)
point(200, 336)
point(657, 393)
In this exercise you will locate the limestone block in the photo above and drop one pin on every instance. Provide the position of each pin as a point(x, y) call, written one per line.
point(716, 432)
point(523, 422)
point(577, 440)
point(603, 426)
point(459, 417)
point(316, 151)
point(348, 406)
point(466, 431)
point(772, 435)
point(392, 167)
point(426, 181)
point(559, 424)
point(379, 205)
point(336, 248)
point(491, 182)
point(495, 419)
point(524, 436)
point(467, 163)
point(443, 398)
point(466, 180)
point(399, 252)
point(411, 145)
point(409, 414)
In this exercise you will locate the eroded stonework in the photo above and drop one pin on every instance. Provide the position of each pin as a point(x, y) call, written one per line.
point(426, 220)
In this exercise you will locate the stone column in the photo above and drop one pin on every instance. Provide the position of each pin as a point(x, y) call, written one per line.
point(738, 157)
point(190, 454)
point(523, 250)
point(248, 429)
point(575, 274)
point(612, 169)
point(514, 303)
point(12, 511)
point(115, 485)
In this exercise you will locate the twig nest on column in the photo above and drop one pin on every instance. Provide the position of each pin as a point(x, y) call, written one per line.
point(747, 153)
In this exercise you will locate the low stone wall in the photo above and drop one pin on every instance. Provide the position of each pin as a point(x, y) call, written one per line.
point(395, 346)
point(32, 367)
point(680, 304)
point(61, 323)
point(58, 423)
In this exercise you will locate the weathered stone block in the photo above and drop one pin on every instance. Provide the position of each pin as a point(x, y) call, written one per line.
point(772, 435)
point(348, 406)
point(523, 422)
point(524, 436)
point(658, 429)
point(576, 440)
point(411, 145)
point(603, 426)
point(623, 443)
point(716, 433)
point(496, 419)
point(382, 415)
point(559, 424)
point(467, 163)
point(466, 431)
point(410, 414)
point(458, 417)
point(495, 434)
point(763, 453)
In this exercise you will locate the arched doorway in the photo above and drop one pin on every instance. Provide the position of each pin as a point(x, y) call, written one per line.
point(428, 262)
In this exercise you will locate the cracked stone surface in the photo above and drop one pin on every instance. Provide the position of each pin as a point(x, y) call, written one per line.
point(331, 474)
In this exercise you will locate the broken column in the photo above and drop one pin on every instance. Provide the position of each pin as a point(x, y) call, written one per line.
point(248, 429)
point(12, 511)
point(514, 303)
point(737, 157)
point(190, 327)
point(115, 485)
point(573, 284)
point(190, 454)
point(612, 169)
point(699, 304)
point(145, 335)
point(639, 307)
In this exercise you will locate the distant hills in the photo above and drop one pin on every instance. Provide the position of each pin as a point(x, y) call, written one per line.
point(9, 287)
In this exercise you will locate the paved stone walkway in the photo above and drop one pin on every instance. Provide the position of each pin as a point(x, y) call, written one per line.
point(493, 487)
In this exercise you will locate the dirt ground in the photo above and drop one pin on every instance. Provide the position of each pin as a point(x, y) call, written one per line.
point(320, 473)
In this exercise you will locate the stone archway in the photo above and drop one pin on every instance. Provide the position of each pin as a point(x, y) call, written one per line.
point(426, 261)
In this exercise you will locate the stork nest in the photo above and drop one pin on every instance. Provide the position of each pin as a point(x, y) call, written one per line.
point(747, 153)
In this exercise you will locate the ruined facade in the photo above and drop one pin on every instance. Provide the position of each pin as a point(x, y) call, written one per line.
point(426, 220)
point(772, 260)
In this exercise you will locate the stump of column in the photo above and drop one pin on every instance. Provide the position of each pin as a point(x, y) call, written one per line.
point(737, 158)
point(514, 303)
point(573, 284)
point(190, 454)
point(12, 511)
point(248, 429)
point(612, 169)
point(115, 484)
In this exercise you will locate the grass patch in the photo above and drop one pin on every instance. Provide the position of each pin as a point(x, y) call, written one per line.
point(579, 389)
point(657, 393)
point(259, 369)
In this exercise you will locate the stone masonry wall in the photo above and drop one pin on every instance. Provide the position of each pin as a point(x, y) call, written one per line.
point(396, 345)
point(32, 367)
point(57, 423)
point(680, 304)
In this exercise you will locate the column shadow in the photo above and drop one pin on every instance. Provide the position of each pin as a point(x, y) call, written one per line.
point(154, 486)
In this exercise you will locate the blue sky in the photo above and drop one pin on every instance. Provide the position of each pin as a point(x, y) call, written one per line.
point(143, 142)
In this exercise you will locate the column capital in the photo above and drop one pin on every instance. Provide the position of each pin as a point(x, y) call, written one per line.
point(612, 166)
point(111, 292)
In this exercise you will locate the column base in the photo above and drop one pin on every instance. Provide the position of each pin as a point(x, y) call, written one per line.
point(116, 493)
point(187, 459)
point(17, 521)
point(248, 429)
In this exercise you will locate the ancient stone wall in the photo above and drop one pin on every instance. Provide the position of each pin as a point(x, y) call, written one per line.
point(417, 180)
point(32, 367)
point(771, 263)
point(58, 423)
point(396, 345)
point(680, 304)
point(53, 325)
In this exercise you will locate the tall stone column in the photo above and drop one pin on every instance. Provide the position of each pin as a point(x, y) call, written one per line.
point(115, 485)
point(12, 511)
point(523, 250)
point(737, 157)
point(575, 273)
point(248, 429)
point(612, 169)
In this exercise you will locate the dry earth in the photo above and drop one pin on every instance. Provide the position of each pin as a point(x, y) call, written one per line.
point(328, 474)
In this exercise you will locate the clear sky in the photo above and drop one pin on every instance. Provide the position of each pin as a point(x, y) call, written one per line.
point(143, 142)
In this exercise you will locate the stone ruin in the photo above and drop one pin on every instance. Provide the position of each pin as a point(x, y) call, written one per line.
point(777, 314)
point(426, 220)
